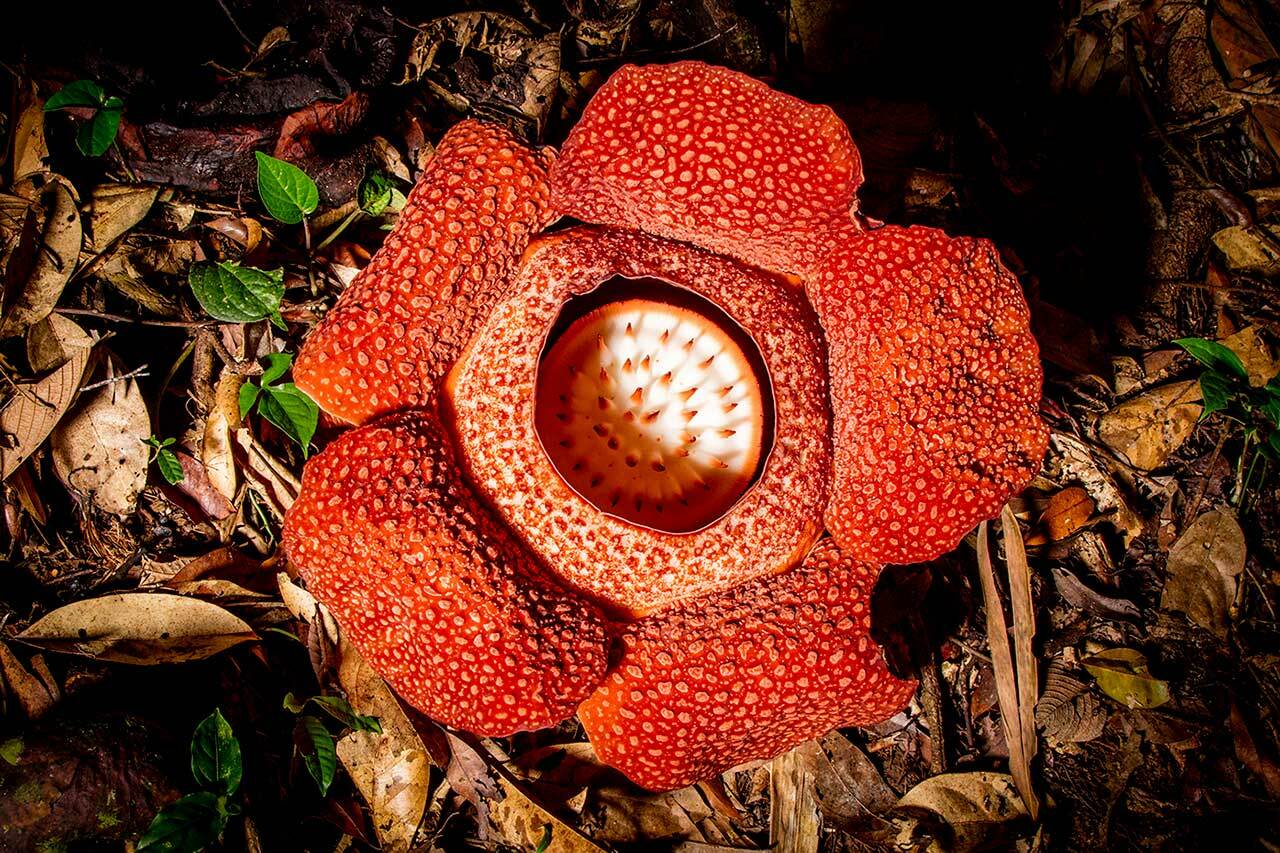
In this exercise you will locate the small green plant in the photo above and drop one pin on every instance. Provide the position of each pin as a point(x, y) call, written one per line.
point(1227, 392)
point(285, 405)
point(165, 459)
point(197, 820)
point(287, 193)
point(233, 293)
point(316, 735)
point(95, 135)
point(374, 197)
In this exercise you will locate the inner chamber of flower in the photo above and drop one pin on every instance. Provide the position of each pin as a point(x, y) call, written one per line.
point(653, 404)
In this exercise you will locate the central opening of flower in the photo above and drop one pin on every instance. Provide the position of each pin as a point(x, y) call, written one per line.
point(654, 405)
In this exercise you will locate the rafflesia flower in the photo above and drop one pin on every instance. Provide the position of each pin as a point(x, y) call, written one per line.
point(593, 468)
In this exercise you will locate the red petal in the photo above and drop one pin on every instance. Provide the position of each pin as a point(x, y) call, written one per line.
point(400, 325)
point(703, 154)
point(630, 568)
point(935, 389)
point(746, 674)
point(434, 592)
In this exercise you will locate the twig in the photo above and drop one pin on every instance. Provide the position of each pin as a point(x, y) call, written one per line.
point(138, 321)
point(137, 373)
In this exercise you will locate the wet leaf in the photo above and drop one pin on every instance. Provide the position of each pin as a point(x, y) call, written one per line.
point(1204, 566)
point(99, 449)
point(236, 294)
point(33, 410)
point(58, 252)
point(976, 809)
point(286, 191)
point(1123, 675)
point(215, 754)
point(1147, 429)
point(139, 628)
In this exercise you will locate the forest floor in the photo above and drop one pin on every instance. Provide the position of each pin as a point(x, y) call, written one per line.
point(1125, 158)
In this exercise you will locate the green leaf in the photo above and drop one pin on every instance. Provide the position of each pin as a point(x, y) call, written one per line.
point(96, 135)
point(374, 193)
point(170, 466)
point(341, 710)
point(236, 294)
point(247, 397)
point(319, 753)
point(286, 191)
point(1123, 675)
point(278, 364)
point(192, 823)
point(11, 750)
point(292, 411)
point(82, 93)
point(545, 841)
point(1214, 356)
point(293, 704)
point(1216, 391)
point(215, 754)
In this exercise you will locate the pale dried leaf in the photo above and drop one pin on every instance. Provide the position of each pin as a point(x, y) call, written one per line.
point(1246, 249)
point(1204, 567)
point(36, 407)
point(1068, 710)
point(114, 209)
point(1149, 428)
point(1024, 657)
point(99, 448)
point(215, 445)
point(59, 252)
point(30, 151)
point(1255, 354)
point(978, 807)
point(140, 628)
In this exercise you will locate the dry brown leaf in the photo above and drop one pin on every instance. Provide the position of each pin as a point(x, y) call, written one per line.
point(1239, 32)
point(1075, 593)
point(54, 262)
point(114, 209)
point(32, 696)
point(1068, 511)
point(392, 770)
point(847, 784)
point(977, 807)
point(1007, 677)
point(793, 805)
point(99, 449)
point(1245, 249)
point(1074, 461)
point(1204, 567)
point(1151, 426)
point(215, 445)
point(1068, 711)
point(36, 407)
point(1255, 354)
point(1024, 657)
point(1259, 763)
point(273, 478)
point(30, 152)
point(140, 628)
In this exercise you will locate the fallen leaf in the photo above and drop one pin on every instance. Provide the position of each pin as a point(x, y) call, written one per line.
point(32, 696)
point(1077, 594)
point(1148, 428)
point(979, 810)
point(114, 209)
point(99, 448)
point(35, 408)
point(1068, 710)
point(1074, 460)
point(1255, 354)
point(139, 628)
point(1246, 748)
point(1068, 511)
point(1246, 249)
point(847, 784)
point(215, 445)
point(53, 264)
point(1204, 565)
point(1238, 29)
point(391, 770)
point(30, 152)
point(1123, 675)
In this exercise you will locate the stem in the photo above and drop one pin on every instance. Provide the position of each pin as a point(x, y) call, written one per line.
point(341, 226)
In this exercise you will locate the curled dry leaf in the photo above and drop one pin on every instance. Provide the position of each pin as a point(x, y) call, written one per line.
point(33, 410)
point(34, 297)
point(1149, 428)
point(978, 810)
point(1068, 511)
point(392, 770)
point(114, 209)
point(140, 628)
point(1123, 675)
point(1204, 567)
point(99, 449)
point(34, 697)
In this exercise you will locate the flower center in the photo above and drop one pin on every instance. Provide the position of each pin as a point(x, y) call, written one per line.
point(653, 412)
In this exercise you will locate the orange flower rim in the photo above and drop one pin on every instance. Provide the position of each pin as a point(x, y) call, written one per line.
point(646, 469)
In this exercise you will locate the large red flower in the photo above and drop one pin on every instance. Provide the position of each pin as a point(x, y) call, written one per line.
point(593, 468)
